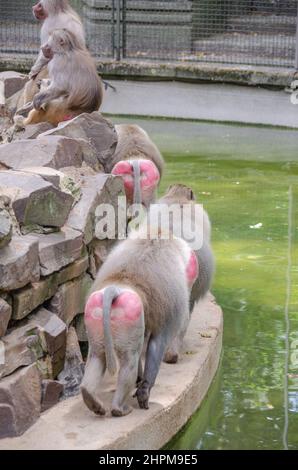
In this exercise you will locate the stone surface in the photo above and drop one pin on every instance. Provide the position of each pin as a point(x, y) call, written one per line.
point(5, 228)
point(51, 391)
point(79, 325)
point(96, 190)
point(70, 298)
point(53, 151)
point(72, 271)
point(172, 401)
point(34, 200)
point(99, 250)
point(32, 131)
point(29, 298)
point(20, 396)
point(57, 250)
point(93, 128)
point(19, 263)
point(58, 179)
point(13, 82)
point(41, 339)
point(72, 374)
point(5, 315)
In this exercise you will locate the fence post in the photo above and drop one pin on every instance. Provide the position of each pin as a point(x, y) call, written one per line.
point(296, 56)
point(124, 29)
point(118, 27)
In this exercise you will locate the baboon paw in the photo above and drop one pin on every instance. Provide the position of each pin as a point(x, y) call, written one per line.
point(92, 403)
point(142, 395)
point(171, 358)
point(121, 411)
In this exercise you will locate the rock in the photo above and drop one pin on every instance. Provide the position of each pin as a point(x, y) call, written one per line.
point(20, 397)
point(51, 391)
point(5, 228)
point(73, 271)
point(34, 200)
point(41, 339)
point(29, 298)
point(99, 250)
point(52, 151)
point(79, 325)
point(13, 82)
point(93, 128)
point(5, 315)
point(19, 263)
point(96, 190)
point(58, 250)
point(32, 131)
point(72, 374)
point(70, 298)
point(58, 179)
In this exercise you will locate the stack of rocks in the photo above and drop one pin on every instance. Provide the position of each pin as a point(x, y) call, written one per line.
point(51, 184)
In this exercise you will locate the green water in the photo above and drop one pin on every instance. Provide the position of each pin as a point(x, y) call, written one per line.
point(247, 179)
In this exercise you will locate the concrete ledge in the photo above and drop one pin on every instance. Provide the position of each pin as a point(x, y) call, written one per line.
point(184, 71)
point(201, 101)
point(177, 394)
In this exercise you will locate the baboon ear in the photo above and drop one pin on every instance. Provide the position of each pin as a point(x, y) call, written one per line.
point(191, 195)
point(61, 42)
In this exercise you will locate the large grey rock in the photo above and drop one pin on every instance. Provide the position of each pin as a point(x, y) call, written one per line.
point(13, 82)
point(19, 263)
point(34, 200)
point(98, 252)
point(72, 374)
point(53, 151)
point(93, 128)
point(41, 339)
point(58, 179)
point(5, 315)
point(51, 392)
point(73, 270)
point(20, 398)
point(96, 190)
point(70, 298)
point(57, 250)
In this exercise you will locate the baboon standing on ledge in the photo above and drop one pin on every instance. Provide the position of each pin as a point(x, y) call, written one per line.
point(74, 88)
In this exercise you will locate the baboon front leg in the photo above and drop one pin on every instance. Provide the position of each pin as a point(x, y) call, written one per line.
point(90, 388)
point(126, 382)
point(155, 352)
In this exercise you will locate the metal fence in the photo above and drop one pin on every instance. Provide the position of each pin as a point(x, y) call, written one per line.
point(256, 32)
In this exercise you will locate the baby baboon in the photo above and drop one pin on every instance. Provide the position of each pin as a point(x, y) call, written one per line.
point(54, 14)
point(156, 274)
point(139, 162)
point(74, 88)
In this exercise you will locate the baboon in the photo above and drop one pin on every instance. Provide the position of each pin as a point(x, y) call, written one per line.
point(54, 14)
point(181, 194)
point(157, 274)
point(74, 86)
point(139, 162)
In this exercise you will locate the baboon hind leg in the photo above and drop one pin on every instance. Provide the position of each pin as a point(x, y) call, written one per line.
point(90, 388)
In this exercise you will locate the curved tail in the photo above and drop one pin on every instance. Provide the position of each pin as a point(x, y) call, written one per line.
point(109, 295)
point(137, 193)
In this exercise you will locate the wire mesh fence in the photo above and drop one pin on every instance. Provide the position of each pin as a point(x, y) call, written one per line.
point(256, 32)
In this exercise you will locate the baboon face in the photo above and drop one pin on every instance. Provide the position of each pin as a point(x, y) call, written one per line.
point(60, 41)
point(39, 11)
point(180, 192)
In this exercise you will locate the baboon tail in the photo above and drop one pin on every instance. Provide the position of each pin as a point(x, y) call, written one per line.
point(137, 195)
point(110, 294)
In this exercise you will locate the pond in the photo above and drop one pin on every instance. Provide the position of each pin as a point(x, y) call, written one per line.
point(247, 180)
